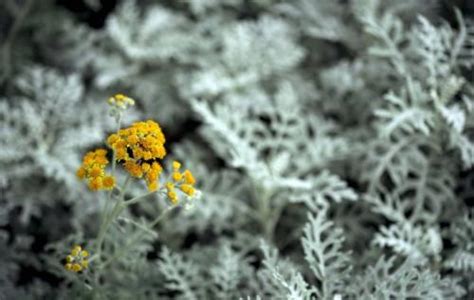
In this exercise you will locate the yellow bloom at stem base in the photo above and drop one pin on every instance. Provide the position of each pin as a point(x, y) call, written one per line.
point(77, 260)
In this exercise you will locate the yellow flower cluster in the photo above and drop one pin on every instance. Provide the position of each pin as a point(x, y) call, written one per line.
point(121, 101)
point(185, 182)
point(77, 260)
point(93, 169)
point(139, 147)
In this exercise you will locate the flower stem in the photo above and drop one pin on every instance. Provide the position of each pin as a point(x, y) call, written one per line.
point(105, 216)
point(131, 242)
point(265, 212)
point(119, 206)
point(140, 198)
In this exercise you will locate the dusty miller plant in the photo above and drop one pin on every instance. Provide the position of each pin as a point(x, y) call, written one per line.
point(331, 141)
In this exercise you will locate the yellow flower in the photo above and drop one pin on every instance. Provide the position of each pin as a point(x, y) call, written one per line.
point(171, 193)
point(76, 267)
point(156, 167)
point(108, 182)
point(151, 176)
point(176, 165)
point(173, 197)
point(146, 167)
point(76, 250)
point(93, 169)
point(177, 176)
point(152, 186)
point(95, 183)
point(77, 260)
point(132, 139)
point(81, 172)
point(112, 139)
point(121, 154)
point(187, 189)
point(137, 152)
point(183, 181)
point(133, 168)
point(120, 101)
point(169, 186)
point(139, 148)
point(147, 155)
point(101, 152)
point(188, 177)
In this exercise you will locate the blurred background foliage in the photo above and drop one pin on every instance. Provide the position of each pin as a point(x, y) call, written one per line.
point(332, 141)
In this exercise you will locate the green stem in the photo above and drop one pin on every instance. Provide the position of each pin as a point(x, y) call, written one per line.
point(133, 241)
point(140, 198)
point(114, 154)
point(118, 208)
point(105, 216)
point(273, 221)
point(264, 211)
point(119, 121)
